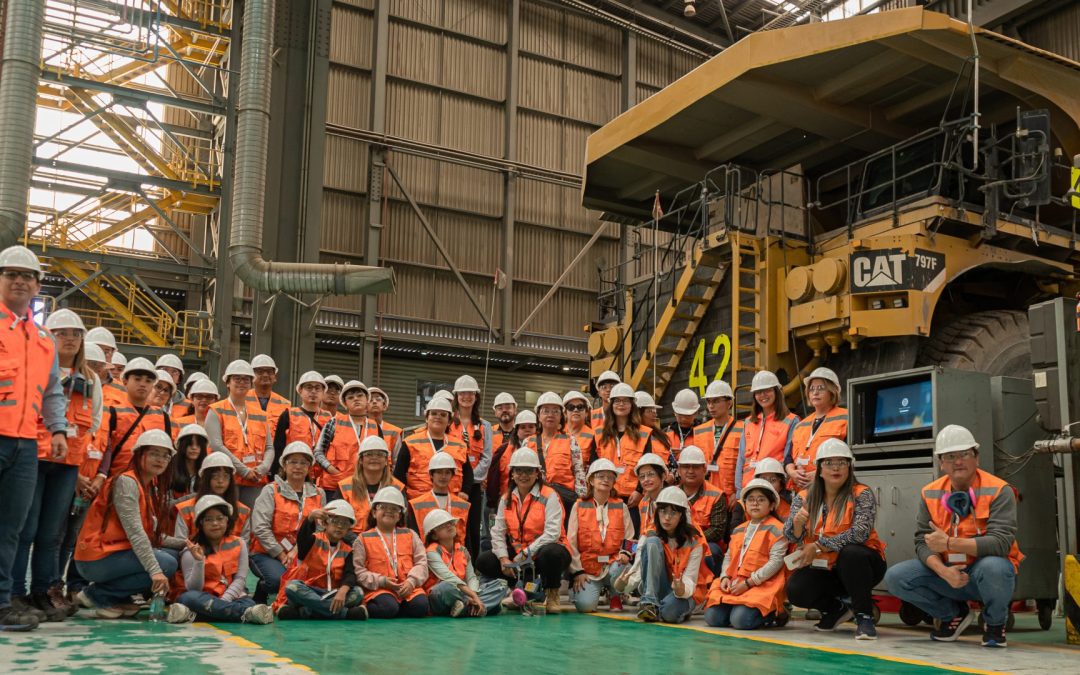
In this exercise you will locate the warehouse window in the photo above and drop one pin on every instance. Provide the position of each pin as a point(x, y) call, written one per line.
point(425, 389)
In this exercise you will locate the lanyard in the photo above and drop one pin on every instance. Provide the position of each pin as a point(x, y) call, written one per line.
point(748, 538)
point(524, 514)
point(618, 446)
point(330, 564)
point(386, 547)
point(814, 428)
point(761, 434)
point(602, 520)
point(360, 438)
point(313, 426)
point(682, 436)
point(242, 421)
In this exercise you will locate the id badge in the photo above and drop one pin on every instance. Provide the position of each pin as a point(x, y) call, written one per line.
point(71, 432)
point(712, 468)
point(603, 558)
point(248, 459)
point(530, 587)
point(802, 461)
point(957, 558)
point(287, 545)
point(820, 563)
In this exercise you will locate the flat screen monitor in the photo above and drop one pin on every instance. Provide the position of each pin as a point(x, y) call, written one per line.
point(902, 409)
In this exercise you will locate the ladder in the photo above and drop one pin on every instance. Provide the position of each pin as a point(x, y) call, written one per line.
point(748, 270)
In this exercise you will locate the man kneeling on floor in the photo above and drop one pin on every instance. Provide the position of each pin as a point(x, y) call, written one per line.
point(965, 539)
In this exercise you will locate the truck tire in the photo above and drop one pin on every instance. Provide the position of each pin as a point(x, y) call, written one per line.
point(994, 342)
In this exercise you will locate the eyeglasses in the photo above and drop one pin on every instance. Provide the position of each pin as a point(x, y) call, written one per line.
point(834, 463)
point(159, 454)
point(605, 476)
point(213, 520)
point(12, 275)
point(622, 400)
point(338, 521)
point(756, 500)
point(577, 408)
point(950, 457)
point(525, 471)
point(390, 509)
point(817, 388)
point(666, 510)
point(297, 462)
point(162, 388)
point(642, 475)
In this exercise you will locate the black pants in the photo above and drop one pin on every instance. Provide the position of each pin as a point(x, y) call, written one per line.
point(635, 518)
point(552, 561)
point(387, 606)
point(472, 526)
point(857, 570)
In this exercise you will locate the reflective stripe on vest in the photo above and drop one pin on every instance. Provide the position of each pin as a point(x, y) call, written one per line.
point(590, 544)
point(987, 487)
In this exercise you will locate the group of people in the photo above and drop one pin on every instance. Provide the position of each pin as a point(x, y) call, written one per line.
point(125, 480)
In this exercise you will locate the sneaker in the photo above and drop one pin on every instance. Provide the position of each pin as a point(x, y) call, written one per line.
point(19, 622)
point(648, 613)
point(994, 636)
point(179, 613)
point(950, 631)
point(457, 609)
point(288, 612)
point(358, 613)
point(83, 600)
point(108, 613)
point(615, 603)
point(43, 602)
point(23, 605)
point(864, 627)
point(834, 617)
point(59, 599)
point(259, 615)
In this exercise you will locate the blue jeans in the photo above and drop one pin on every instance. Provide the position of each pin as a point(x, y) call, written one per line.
point(715, 560)
point(444, 594)
point(212, 608)
point(18, 479)
point(738, 617)
point(68, 569)
point(656, 583)
point(118, 576)
point(992, 580)
point(44, 528)
point(309, 600)
point(588, 598)
point(269, 570)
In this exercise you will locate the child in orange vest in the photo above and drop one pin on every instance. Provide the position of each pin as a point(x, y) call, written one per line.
point(322, 584)
point(215, 571)
point(598, 526)
point(453, 586)
point(390, 561)
point(751, 585)
point(216, 477)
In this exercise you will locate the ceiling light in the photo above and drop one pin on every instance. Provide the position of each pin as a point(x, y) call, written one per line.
point(689, 10)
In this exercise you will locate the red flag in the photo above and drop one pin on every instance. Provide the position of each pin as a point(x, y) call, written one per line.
point(657, 212)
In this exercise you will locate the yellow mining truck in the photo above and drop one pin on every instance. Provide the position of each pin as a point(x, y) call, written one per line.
point(844, 193)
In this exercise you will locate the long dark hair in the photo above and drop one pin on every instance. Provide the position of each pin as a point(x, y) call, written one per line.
point(684, 531)
point(200, 538)
point(474, 417)
point(232, 493)
point(370, 523)
point(160, 499)
point(181, 480)
point(511, 486)
point(658, 434)
point(609, 430)
point(815, 498)
point(781, 410)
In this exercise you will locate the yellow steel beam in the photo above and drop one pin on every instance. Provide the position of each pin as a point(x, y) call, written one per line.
point(108, 301)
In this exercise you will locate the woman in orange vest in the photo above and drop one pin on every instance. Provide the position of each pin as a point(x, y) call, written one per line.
point(162, 394)
point(651, 474)
point(191, 444)
point(828, 420)
point(441, 468)
point(528, 537)
point(524, 436)
point(279, 511)
point(750, 589)
point(215, 571)
point(476, 435)
point(304, 422)
point(833, 524)
point(604, 384)
point(670, 566)
point(338, 447)
point(650, 417)
point(371, 475)
point(623, 439)
point(390, 561)
point(215, 479)
point(598, 526)
point(238, 427)
point(577, 417)
point(322, 584)
point(417, 450)
point(767, 430)
point(453, 587)
point(768, 470)
point(118, 549)
point(203, 394)
point(564, 461)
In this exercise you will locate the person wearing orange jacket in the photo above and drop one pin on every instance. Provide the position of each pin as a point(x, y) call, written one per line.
point(417, 449)
point(178, 405)
point(378, 404)
point(238, 427)
point(828, 420)
point(524, 436)
point(391, 561)
point(680, 434)
point(565, 462)
point(441, 468)
point(371, 475)
point(304, 422)
point(709, 507)
point(215, 479)
point(965, 540)
point(719, 437)
point(124, 422)
point(604, 382)
point(476, 435)
point(770, 471)
point(651, 473)
point(767, 430)
point(453, 586)
point(203, 394)
point(506, 410)
point(112, 389)
point(262, 393)
point(597, 527)
point(623, 439)
point(57, 481)
point(338, 446)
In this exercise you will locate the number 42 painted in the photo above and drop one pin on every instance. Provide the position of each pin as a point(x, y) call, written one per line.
point(698, 379)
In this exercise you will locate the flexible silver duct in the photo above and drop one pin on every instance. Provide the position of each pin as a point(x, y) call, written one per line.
point(249, 182)
point(18, 108)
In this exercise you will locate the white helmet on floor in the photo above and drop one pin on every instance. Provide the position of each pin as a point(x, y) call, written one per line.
point(209, 501)
point(140, 365)
point(93, 353)
point(155, 438)
point(675, 496)
point(170, 361)
point(466, 383)
point(601, 464)
point(718, 389)
point(216, 460)
point(686, 402)
point(524, 458)
point(204, 387)
point(503, 398)
point(608, 376)
point(763, 381)
point(436, 518)
point(761, 484)
point(297, 448)
point(650, 459)
point(644, 399)
point(438, 404)
point(834, 447)
point(525, 417)
point(691, 454)
point(768, 465)
point(263, 361)
point(823, 374)
point(340, 508)
point(953, 438)
point(389, 495)
point(375, 443)
point(548, 398)
point(192, 430)
point(117, 359)
point(441, 460)
point(623, 390)
point(20, 258)
point(64, 318)
point(310, 377)
point(101, 336)
point(239, 367)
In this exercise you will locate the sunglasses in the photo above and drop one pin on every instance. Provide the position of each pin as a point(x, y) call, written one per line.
point(577, 408)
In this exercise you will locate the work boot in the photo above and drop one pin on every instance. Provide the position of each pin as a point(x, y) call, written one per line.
point(13, 620)
point(552, 603)
point(834, 617)
point(59, 599)
point(288, 612)
point(258, 614)
point(52, 613)
point(23, 605)
point(358, 613)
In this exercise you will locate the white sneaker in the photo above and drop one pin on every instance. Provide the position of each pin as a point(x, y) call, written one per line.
point(457, 609)
point(108, 613)
point(84, 600)
point(179, 613)
point(259, 615)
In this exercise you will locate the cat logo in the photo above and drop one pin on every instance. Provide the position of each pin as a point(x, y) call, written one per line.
point(894, 270)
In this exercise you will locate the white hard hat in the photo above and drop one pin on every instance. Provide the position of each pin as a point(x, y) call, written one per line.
point(170, 361)
point(768, 465)
point(140, 365)
point(686, 402)
point(601, 465)
point(209, 501)
point(650, 459)
point(503, 398)
point(525, 458)
point(334, 379)
point(340, 508)
point(192, 378)
point(310, 377)
point(353, 384)
point(389, 495)
point(166, 378)
point(438, 403)
point(691, 454)
point(20, 258)
point(719, 389)
point(644, 399)
point(441, 460)
point(574, 395)
point(101, 336)
point(442, 393)
point(823, 374)
point(466, 383)
point(92, 352)
point(192, 430)
point(436, 518)
point(155, 438)
point(608, 376)
point(238, 367)
point(216, 460)
point(117, 359)
point(953, 438)
point(375, 443)
point(622, 390)
point(525, 417)
point(64, 318)
point(834, 447)
point(263, 361)
point(204, 387)
point(297, 448)
point(763, 381)
point(761, 484)
point(675, 496)
point(375, 390)
point(548, 398)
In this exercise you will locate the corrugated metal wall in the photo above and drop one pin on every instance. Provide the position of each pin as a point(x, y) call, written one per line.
point(1057, 32)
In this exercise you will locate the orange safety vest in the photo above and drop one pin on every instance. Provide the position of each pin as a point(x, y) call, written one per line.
point(344, 450)
point(766, 438)
point(115, 423)
point(769, 596)
point(500, 437)
point(358, 497)
point(322, 567)
point(378, 553)
point(625, 453)
point(647, 511)
point(113, 394)
point(185, 510)
point(420, 453)
point(723, 460)
point(301, 428)
point(596, 417)
point(181, 410)
point(805, 443)
point(678, 558)
point(221, 566)
point(830, 528)
point(102, 534)
point(392, 435)
point(504, 463)
point(702, 504)
point(558, 460)
point(288, 516)
point(590, 544)
point(525, 528)
point(457, 561)
point(426, 503)
point(464, 432)
point(986, 487)
point(678, 442)
point(249, 447)
point(27, 354)
point(80, 415)
point(275, 405)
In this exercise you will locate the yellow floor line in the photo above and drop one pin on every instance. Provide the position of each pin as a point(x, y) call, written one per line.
point(833, 650)
point(255, 649)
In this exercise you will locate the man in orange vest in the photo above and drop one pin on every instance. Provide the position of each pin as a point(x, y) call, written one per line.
point(30, 388)
point(505, 409)
point(965, 540)
point(708, 504)
point(266, 376)
point(719, 437)
point(604, 383)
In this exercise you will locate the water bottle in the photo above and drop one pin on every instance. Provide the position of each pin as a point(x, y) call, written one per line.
point(157, 609)
point(78, 506)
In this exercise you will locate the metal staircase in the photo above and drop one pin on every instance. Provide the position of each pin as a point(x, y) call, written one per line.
point(748, 272)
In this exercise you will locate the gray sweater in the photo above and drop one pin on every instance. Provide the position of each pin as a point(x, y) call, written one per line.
point(125, 497)
point(262, 515)
point(195, 573)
